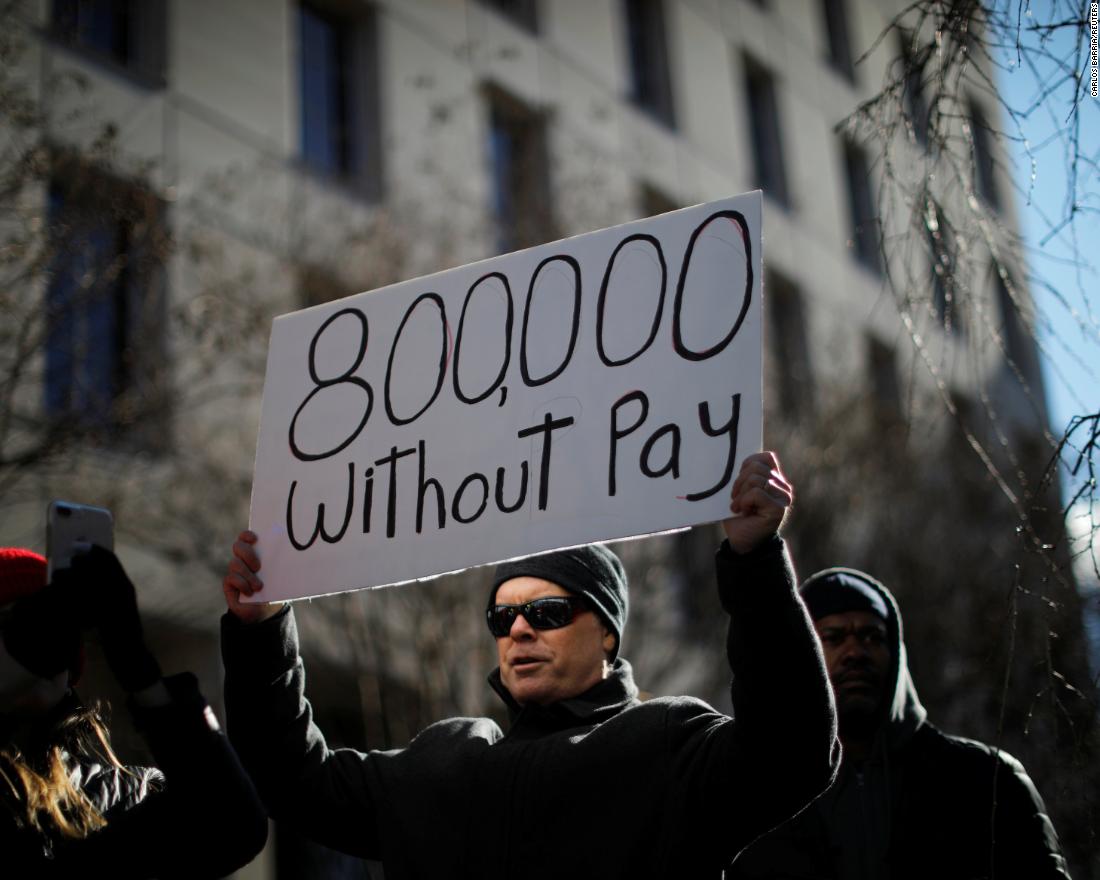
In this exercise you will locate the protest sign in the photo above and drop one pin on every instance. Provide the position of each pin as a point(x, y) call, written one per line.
point(599, 387)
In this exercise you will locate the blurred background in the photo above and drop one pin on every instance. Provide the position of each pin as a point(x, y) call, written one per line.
point(174, 174)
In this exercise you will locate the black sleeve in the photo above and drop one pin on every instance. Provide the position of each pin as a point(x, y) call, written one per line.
point(1025, 843)
point(206, 820)
point(748, 774)
point(326, 794)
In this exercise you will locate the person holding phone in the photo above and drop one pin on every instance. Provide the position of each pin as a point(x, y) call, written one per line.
point(67, 804)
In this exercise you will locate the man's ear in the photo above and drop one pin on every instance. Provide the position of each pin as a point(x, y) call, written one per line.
point(609, 641)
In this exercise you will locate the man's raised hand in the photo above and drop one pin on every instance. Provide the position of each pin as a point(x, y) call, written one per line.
point(241, 579)
point(759, 501)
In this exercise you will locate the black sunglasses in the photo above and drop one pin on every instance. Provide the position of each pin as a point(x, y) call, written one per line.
point(550, 612)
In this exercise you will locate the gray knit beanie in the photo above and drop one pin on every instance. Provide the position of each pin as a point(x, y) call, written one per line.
point(591, 571)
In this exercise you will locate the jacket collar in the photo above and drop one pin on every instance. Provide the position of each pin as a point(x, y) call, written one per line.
point(603, 700)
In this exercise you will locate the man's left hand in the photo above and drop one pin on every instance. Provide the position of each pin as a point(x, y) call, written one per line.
point(760, 500)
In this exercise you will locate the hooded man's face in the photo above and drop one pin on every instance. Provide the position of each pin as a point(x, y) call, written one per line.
point(857, 657)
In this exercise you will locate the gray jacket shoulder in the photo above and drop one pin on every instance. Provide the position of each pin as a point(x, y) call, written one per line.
point(112, 788)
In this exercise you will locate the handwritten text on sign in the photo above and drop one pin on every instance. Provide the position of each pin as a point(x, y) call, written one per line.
point(600, 387)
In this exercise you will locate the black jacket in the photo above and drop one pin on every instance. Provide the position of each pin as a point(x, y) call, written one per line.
point(197, 816)
point(600, 785)
point(924, 805)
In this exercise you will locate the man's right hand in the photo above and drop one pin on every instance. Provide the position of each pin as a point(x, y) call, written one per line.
point(241, 580)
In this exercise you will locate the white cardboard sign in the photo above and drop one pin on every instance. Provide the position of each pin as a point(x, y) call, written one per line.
point(599, 387)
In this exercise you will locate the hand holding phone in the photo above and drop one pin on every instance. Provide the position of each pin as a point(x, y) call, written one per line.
point(93, 590)
point(101, 595)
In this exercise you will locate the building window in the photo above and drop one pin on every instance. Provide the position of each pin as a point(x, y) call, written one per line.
point(957, 449)
point(688, 575)
point(789, 346)
point(340, 112)
point(885, 390)
point(767, 144)
point(653, 201)
point(835, 13)
point(520, 173)
point(985, 178)
point(127, 34)
point(521, 12)
point(316, 286)
point(1014, 333)
point(940, 242)
point(651, 84)
point(911, 78)
point(104, 351)
point(861, 206)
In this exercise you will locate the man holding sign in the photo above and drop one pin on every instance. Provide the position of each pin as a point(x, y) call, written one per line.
point(588, 781)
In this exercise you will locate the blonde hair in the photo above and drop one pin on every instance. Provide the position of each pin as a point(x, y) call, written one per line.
point(36, 788)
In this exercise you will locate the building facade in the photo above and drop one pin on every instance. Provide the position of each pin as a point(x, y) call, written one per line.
point(207, 166)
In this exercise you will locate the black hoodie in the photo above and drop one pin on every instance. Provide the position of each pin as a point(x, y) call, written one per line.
point(923, 804)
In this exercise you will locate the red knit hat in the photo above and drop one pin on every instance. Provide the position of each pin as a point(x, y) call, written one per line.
point(23, 573)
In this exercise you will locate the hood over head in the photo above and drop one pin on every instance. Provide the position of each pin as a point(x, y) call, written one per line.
point(836, 590)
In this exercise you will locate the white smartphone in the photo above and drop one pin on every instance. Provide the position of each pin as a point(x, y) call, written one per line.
point(72, 529)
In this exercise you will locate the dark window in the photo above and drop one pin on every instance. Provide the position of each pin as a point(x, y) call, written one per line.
point(315, 286)
point(944, 269)
point(521, 12)
point(767, 144)
point(864, 241)
point(914, 60)
point(654, 201)
point(985, 178)
point(651, 85)
point(1014, 333)
point(338, 80)
point(105, 310)
point(520, 171)
point(130, 34)
point(885, 389)
point(958, 451)
point(787, 323)
point(692, 579)
point(835, 13)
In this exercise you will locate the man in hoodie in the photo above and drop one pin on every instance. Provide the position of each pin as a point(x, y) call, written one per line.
point(910, 801)
point(588, 781)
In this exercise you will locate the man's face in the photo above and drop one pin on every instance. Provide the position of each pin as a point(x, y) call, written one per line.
point(542, 666)
point(857, 658)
